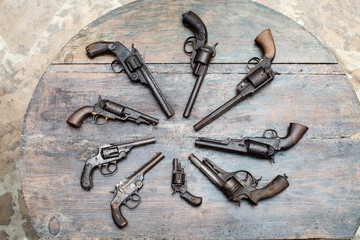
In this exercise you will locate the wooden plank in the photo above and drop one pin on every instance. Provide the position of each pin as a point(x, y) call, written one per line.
point(159, 33)
point(325, 103)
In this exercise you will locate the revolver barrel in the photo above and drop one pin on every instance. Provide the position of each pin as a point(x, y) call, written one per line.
point(205, 169)
point(218, 112)
point(136, 143)
point(233, 145)
point(148, 165)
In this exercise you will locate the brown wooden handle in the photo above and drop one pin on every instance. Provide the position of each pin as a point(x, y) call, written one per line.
point(191, 199)
point(79, 115)
point(191, 20)
point(266, 42)
point(275, 187)
point(97, 48)
point(295, 133)
point(118, 218)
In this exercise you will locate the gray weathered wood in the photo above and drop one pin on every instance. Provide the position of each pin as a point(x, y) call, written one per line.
point(323, 198)
point(234, 24)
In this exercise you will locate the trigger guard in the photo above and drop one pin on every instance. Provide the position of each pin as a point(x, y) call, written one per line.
point(108, 168)
point(96, 117)
point(114, 63)
point(133, 200)
point(107, 165)
point(271, 131)
point(187, 41)
point(256, 59)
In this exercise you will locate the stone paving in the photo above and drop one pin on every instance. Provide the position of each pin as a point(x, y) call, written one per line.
point(33, 32)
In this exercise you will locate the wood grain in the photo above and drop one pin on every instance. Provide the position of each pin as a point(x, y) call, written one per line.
point(234, 24)
point(322, 200)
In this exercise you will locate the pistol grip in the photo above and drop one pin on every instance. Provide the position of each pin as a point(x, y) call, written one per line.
point(275, 187)
point(79, 115)
point(191, 20)
point(118, 218)
point(191, 199)
point(86, 177)
point(97, 48)
point(266, 42)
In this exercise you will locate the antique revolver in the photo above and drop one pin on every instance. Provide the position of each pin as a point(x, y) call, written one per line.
point(258, 77)
point(201, 54)
point(237, 188)
point(106, 159)
point(107, 109)
point(126, 191)
point(132, 63)
point(178, 184)
point(262, 147)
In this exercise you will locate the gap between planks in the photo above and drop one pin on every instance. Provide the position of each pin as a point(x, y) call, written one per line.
point(216, 68)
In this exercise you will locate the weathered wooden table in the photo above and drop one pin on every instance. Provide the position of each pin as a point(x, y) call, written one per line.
point(323, 168)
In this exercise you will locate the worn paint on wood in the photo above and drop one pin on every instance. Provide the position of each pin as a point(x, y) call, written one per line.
point(234, 24)
point(323, 198)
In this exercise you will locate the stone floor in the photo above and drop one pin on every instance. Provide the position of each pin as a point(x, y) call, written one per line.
point(33, 32)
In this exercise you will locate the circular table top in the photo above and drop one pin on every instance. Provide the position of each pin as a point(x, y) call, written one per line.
point(322, 200)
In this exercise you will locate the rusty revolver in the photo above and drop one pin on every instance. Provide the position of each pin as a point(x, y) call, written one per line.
point(132, 63)
point(201, 54)
point(126, 191)
point(107, 158)
point(262, 147)
point(237, 188)
point(107, 109)
point(178, 184)
point(258, 77)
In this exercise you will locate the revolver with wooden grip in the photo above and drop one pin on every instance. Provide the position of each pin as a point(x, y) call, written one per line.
point(262, 147)
point(201, 54)
point(178, 184)
point(106, 109)
point(132, 63)
point(237, 187)
point(107, 158)
point(126, 191)
point(258, 77)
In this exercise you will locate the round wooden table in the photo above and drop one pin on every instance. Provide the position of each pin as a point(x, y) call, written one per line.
point(323, 168)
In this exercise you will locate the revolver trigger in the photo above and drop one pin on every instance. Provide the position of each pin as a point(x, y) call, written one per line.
point(254, 60)
point(96, 118)
point(116, 66)
point(272, 132)
point(189, 40)
point(213, 49)
point(133, 201)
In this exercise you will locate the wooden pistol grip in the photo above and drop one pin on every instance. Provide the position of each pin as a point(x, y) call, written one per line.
point(295, 133)
point(79, 115)
point(97, 48)
point(118, 218)
point(86, 177)
point(191, 20)
point(266, 42)
point(275, 187)
point(191, 199)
